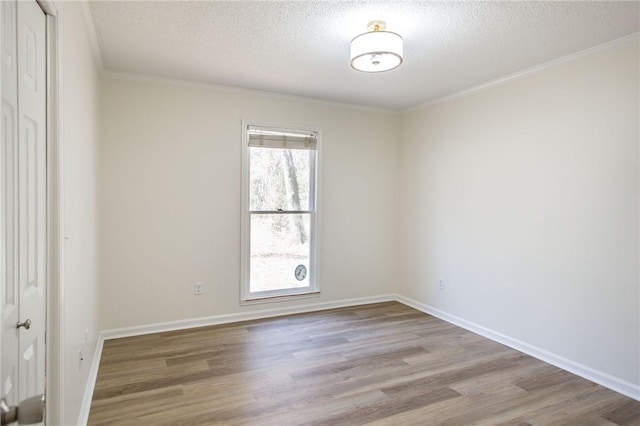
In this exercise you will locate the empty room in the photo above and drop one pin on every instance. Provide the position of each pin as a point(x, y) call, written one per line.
point(320, 212)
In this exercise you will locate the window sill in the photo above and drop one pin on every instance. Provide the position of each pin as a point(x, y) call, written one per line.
point(283, 298)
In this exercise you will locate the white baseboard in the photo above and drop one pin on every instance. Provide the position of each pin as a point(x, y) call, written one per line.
point(626, 388)
point(241, 316)
point(621, 386)
point(91, 383)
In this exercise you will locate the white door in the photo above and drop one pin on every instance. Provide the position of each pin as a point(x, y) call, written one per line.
point(23, 200)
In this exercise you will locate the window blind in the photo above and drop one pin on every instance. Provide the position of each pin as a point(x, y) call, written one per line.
point(264, 137)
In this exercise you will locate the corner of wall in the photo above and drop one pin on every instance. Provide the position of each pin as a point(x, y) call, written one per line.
point(92, 34)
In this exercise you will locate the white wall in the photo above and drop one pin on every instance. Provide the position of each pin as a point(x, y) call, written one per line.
point(170, 198)
point(79, 97)
point(524, 197)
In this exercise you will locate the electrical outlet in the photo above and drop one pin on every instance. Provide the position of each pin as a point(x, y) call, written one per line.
point(441, 283)
point(198, 288)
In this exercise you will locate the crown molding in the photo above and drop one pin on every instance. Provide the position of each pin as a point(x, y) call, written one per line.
point(92, 34)
point(527, 71)
point(95, 46)
point(117, 75)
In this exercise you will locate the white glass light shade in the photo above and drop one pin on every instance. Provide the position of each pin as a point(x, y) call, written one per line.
point(376, 51)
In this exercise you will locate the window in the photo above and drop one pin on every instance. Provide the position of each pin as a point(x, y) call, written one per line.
point(279, 212)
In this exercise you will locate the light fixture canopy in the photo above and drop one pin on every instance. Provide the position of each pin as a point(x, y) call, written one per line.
point(377, 50)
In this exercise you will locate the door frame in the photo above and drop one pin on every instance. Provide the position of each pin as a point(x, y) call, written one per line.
point(55, 225)
point(55, 359)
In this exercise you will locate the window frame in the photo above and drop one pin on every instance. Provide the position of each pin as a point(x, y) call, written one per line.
point(313, 289)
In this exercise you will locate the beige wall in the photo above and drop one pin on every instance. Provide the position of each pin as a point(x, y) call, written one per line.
point(170, 198)
point(79, 98)
point(525, 198)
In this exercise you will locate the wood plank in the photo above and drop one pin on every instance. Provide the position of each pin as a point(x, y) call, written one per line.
point(383, 363)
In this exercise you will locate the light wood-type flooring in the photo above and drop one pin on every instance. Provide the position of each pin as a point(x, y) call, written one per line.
point(382, 364)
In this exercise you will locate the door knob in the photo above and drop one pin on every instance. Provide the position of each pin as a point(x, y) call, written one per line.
point(26, 324)
point(30, 411)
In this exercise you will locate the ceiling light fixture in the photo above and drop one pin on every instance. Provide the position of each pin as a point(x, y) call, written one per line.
point(377, 50)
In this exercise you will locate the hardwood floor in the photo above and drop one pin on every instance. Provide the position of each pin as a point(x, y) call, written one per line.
point(383, 364)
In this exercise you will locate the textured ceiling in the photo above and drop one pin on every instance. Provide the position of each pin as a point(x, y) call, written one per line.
point(302, 47)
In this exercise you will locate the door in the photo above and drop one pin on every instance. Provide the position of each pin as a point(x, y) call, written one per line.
point(23, 200)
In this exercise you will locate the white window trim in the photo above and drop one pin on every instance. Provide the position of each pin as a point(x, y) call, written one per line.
point(314, 262)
